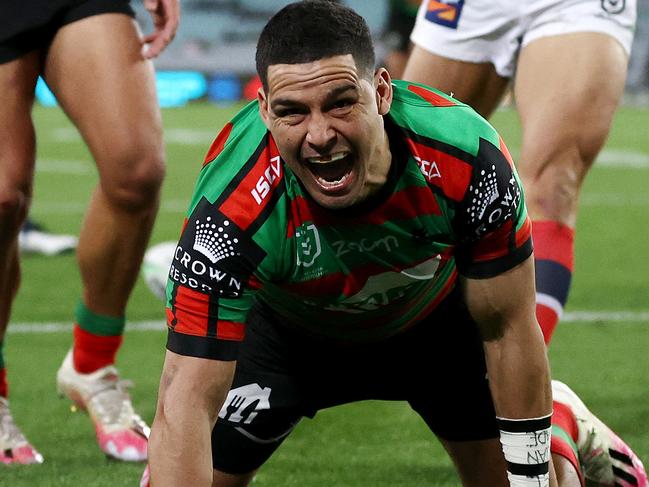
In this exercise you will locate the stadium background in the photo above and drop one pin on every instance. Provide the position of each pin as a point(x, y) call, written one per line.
point(600, 349)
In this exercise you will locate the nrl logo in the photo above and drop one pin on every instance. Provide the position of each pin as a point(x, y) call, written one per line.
point(308, 245)
point(613, 6)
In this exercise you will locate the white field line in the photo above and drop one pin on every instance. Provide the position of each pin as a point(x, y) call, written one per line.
point(613, 200)
point(56, 327)
point(187, 136)
point(615, 158)
point(44, 207)
point(180, 205)
point(610, 158)
point(65, 166)
point(623, 158)
point(605, 316)
point(582, 317)
point(184, 136)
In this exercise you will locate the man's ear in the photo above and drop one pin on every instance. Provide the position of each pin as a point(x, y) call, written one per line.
point(263, 105)
point(383, 87)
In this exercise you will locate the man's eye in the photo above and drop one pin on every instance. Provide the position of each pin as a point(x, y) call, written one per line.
point(343, 103)
point(289, 112)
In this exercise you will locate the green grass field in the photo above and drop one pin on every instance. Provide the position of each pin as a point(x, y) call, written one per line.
point(603, 356)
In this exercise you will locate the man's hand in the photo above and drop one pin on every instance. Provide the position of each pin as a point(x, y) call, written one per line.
point(165, 15)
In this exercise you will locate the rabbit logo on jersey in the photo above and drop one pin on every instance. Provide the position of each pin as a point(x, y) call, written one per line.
point(244, 403)
point(446, 13)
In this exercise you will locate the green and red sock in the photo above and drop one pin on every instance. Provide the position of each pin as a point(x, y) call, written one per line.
point(96, 339)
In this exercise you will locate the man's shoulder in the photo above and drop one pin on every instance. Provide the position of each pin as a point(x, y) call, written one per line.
point(431, 114)
point(242, 168)
point(241, 134)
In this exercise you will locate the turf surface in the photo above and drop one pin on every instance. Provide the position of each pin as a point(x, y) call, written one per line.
point(365, 444)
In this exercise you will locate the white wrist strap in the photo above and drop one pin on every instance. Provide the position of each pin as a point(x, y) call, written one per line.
point(526, 446)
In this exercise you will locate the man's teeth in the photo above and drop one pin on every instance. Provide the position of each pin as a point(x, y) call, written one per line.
point(326, 183)
point(326, 159)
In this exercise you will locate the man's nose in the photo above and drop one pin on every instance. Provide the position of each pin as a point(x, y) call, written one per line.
point(320, 133)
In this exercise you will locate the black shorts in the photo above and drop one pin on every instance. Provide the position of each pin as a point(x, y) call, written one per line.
point(26, 25)
point(438, 366)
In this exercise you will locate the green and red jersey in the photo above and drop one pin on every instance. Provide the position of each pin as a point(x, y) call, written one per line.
point(453, 204)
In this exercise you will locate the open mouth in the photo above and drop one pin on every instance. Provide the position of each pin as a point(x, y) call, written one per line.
point(332, 172)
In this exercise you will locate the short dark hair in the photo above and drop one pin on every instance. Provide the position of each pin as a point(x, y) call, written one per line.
point(310, 30)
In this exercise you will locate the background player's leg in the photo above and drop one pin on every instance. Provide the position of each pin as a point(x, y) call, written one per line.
point(477, 84)
point(96, 70)
point(17, 157)
point(107, 88)
point(567, 89)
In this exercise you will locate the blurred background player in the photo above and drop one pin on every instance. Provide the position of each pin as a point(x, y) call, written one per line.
point(95, 61)
point(396, 37)
point(637, 83)
point(568, 61)
point(35, 239)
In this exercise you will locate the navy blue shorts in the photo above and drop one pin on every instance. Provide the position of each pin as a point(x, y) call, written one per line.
point(27, 25)
point(282, 375)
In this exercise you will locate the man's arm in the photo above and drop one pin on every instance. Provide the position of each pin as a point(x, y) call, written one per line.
point(517, 365)
point(192, 391)
point(165, 15)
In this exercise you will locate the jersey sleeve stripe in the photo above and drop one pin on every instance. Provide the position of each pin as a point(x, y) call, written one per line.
point(443, 170)
point(505, 151)
point(431, 97)
point(524, 233)
point(213, 316)
point(218, 144)
point(196, 314)
point(254, 186)
point(490, 268)
point(501, 243)
point(229, 330)
point(191, 312)
point(194, 346)
point(171, 319)
point(494, 245)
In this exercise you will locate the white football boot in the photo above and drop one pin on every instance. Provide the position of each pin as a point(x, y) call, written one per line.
point(121, 433)
point(33, 239)
point(14, 447)
point(604, 457)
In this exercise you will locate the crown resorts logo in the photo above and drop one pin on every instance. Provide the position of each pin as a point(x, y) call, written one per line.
point(213, 241)
point(484, 194)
